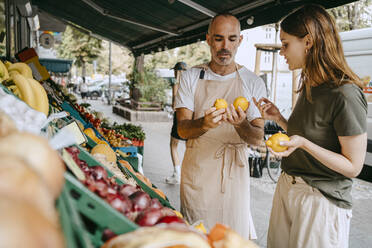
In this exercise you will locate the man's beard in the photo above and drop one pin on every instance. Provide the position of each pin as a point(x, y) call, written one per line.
point(224, 60)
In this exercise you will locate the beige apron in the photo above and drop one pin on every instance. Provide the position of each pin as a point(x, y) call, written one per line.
point(215, 182)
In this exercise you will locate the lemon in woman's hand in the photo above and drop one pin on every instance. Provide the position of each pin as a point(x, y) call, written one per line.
point(274, 142)
point(220, 104)
point(241, 102)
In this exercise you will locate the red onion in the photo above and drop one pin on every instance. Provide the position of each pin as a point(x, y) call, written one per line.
point(108, 234)
point(99, 172)
point(155, 203)
point(149, 217)
point(140, 200)
point(127, 189)
point(121, 203)
point(168, 212)
point(170, 219)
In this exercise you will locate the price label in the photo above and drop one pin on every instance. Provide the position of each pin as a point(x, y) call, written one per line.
point(74, 168)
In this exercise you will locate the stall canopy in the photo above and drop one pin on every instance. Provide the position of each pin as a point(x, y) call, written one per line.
point(56, 65)
point(146, 26)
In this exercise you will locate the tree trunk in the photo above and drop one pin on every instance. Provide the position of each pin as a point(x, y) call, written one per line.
point(83, 69)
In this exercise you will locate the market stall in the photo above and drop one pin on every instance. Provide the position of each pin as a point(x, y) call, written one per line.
point(87, 170)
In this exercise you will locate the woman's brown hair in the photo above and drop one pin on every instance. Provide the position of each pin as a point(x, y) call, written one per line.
point(325, 61)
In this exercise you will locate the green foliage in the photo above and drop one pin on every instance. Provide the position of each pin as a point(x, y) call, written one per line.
point(121, 58)
point(151, 86)
point(79, 46)
point(193, 54)
point(352, 16)
point(128, 130)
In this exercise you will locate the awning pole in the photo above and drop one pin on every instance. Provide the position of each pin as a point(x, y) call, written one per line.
point(109, 85)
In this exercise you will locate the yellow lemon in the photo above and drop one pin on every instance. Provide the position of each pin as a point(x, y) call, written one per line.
point(220, 104)
point(274, 140)
point(241, 102)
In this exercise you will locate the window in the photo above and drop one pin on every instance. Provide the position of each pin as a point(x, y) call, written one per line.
point(2, 29)
point(268, 33)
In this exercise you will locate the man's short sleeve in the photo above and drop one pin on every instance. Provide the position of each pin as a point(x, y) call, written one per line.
point(350, 113)
point(258, 92)
point(185, 94)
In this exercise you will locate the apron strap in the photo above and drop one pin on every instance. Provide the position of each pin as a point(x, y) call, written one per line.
point(231, 154)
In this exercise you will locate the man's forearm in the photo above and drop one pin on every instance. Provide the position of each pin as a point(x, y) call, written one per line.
point(190, 129)
point(249, 133)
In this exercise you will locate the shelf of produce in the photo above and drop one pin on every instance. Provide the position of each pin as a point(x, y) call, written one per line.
point(96, 213)
point(91, 161)
point(147, 189)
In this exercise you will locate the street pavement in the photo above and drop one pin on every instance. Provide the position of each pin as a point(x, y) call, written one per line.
point(157, 165)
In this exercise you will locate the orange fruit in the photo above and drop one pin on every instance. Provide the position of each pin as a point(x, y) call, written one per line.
point(220, 104)
point(159, 192)
point(241, 102)
point(274, 140)
point(127, 165)
point(217, 233)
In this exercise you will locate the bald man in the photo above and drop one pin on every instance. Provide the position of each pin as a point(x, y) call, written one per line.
point(215, 178)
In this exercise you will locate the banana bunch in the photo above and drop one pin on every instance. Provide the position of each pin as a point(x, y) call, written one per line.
point(3, 72)
point(21, 68)
point(31, 92)
point(22, 84)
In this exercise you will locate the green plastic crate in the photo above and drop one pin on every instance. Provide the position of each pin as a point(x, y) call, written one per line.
point(147, 189)
point(96, 214)
point(91, 161)
point(74, 231)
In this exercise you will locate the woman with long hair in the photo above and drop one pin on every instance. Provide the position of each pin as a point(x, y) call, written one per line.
point(327, 128)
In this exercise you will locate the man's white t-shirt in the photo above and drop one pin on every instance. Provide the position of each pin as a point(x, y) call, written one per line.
point(253, 86)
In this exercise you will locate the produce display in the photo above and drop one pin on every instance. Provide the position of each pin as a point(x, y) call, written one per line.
point(22, 84)
point(129, 200)
point(117, 135)
point(179, 236)
point(274, 142)
point(33, 177)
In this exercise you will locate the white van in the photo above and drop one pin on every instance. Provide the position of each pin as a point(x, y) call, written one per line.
point(357, 46)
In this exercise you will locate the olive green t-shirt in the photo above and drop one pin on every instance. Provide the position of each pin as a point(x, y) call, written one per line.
point(334, 111)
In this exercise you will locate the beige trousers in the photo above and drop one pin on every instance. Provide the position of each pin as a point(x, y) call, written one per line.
point(302, 217)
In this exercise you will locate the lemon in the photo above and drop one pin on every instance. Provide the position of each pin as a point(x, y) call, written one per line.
point(274, 140)
point(241, 102)
point(220, 104)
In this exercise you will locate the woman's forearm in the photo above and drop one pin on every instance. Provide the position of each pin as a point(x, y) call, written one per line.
point(334, 161)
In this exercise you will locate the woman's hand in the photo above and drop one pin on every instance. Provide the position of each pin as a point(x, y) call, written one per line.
point(268, 110)
point(235, 117)
point(294, 142)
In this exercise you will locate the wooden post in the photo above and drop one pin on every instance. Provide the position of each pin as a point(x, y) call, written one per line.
point(295, 79)
point(140, 63)
point(274, 74)
point(258, 62)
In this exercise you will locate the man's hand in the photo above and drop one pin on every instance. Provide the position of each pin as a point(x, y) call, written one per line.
point(213, 118)
point(234, 117)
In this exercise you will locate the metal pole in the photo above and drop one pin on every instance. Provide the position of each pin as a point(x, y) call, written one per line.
point(109, 85)
point(15, 28)
point(7, 21)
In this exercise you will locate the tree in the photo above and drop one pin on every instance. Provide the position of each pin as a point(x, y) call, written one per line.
point(193, 54)
point(79, 46)
point(122, 59)
point(353, 16)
